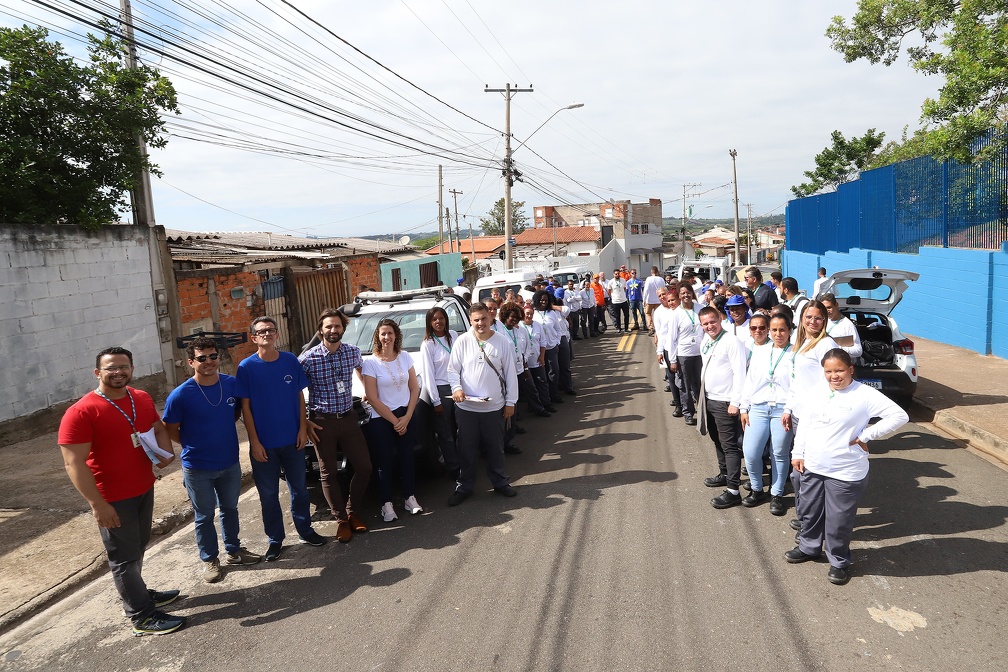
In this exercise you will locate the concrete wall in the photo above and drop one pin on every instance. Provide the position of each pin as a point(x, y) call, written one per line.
point(67, 294)
point(960, 299)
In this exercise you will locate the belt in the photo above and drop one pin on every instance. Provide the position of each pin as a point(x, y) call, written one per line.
point(320, 414)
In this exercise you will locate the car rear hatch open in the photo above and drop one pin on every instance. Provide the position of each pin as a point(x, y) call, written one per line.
point(869, 289)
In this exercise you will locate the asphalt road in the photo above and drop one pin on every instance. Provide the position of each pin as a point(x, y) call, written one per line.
point(609, 558)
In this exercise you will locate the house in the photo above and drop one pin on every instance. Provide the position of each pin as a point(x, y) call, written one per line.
point(629, 233)
point(478, 248)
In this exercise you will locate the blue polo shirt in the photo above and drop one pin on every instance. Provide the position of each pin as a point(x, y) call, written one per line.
point(274, 392)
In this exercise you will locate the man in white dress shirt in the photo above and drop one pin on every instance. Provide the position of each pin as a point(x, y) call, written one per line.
point(485, 389)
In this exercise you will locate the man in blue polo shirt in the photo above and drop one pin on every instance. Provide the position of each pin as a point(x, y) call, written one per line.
point(200, 416)
point(634, 292)
point(269, 385)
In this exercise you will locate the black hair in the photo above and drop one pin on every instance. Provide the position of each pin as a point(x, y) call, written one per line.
point(114, 350)
point(200, 343)
point(840, 354)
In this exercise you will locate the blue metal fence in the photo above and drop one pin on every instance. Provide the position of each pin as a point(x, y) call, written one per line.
point(905, 206)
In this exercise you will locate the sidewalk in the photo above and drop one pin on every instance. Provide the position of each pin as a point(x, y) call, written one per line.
point(49, 545)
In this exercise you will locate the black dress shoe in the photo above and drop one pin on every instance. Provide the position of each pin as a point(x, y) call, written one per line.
point(458, 497)
point(544, 413)
point(552, 409)
point(718, 481)
point(512, 449)
point(838, 575)
point(726, 500)
point(676, 410)
point(777, 506)
point(691, 422)
point(755, 498)
point(572, 392)
point(505, 491)
point(519, 429)
point(795, 524)
point(557, 400)
point(796, 555)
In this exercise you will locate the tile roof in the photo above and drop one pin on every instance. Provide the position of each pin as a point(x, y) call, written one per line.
point(486, 246)
point(564, 234)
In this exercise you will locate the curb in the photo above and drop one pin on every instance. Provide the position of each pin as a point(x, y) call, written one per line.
point(981, 439)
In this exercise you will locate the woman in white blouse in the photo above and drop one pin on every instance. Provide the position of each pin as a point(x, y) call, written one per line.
point(763, 397)
point(435, 351)
point(391, 387)
point(831, 455)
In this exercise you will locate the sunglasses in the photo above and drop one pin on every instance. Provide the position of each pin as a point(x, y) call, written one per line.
point(757, 328)
point(203, 358)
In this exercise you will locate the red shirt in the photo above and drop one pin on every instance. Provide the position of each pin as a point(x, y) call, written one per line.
point(120, 470)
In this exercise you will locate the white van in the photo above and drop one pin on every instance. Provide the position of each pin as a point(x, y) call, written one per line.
point(565, 273)
point(517, 280)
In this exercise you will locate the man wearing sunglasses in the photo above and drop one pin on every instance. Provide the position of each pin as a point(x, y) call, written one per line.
point(270, 383)
point(200, 416)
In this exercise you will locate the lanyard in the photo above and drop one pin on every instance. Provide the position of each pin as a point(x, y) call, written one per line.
point(773, 367)
point(514, 339)
point(442, 344)
point(132, 421)
point(710, 346)
point(689, 314)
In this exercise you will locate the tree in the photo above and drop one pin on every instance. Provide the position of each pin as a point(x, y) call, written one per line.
point(963, 42)
point(840, 163)
point(493, 223)
point(67, 147)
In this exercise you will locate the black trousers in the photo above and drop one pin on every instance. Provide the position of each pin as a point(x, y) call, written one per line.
point(475, 431)
point(621, 309)
point(690, 369)
point(726, 432)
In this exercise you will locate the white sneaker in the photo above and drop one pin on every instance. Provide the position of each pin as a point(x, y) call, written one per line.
point(413, 506)
point(388, 512)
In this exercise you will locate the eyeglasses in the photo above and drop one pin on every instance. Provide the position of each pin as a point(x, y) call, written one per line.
point(203, 358)
point(264, 332)
point(117, 369)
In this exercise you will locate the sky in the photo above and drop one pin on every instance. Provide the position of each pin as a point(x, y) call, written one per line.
point(307, 135)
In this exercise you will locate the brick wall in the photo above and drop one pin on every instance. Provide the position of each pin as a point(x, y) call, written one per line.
point(364, 270)
point(207, 303)
point(66, 294)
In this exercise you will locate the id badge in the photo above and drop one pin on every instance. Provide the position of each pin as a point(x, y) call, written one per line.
point(480, 359)
point(136, 439)
point(340, 387)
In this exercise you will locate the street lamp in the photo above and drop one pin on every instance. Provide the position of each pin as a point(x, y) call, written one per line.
point(509, 171)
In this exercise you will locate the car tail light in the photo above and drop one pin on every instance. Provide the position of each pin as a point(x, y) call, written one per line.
point(904, 347)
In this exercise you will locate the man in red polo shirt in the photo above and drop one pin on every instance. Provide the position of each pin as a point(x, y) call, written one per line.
point(105, 457)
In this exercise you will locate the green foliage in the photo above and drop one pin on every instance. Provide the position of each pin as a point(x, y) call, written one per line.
point(966, 43)
point(67, 132)
point(908, 147)
point(426, 242)
point(839, 163)
point(493, 223)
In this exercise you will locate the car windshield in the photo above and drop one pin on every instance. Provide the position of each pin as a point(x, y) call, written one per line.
point(411, 320)
point(486, 292)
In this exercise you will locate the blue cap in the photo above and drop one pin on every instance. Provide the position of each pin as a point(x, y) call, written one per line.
point(736, 300)
point(718, 282)
point(459, 281)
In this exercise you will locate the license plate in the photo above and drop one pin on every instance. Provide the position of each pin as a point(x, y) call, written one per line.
point(872, 382)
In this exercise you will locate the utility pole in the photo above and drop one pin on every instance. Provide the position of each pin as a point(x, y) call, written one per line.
point(440, 205)
point(472, 242)
point(458, 238)
point(509, 172)
point(143, 201)
point(749, 233)
point(690, 185)
point(733, 154)
point(447, 214)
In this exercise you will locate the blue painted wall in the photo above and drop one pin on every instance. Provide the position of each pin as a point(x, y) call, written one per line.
point(961, 297)
point(449, 270)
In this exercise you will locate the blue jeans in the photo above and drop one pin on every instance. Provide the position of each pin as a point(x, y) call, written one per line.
point(764, 423)
point(209, 490)
point(637, 308)
point(267, 480)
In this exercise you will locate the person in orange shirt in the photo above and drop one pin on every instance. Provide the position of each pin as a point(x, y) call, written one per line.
point(599, 323)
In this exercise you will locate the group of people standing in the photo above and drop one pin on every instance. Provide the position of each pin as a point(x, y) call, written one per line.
point(765, 389)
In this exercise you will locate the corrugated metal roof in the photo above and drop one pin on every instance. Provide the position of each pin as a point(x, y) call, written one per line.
point(283, 241)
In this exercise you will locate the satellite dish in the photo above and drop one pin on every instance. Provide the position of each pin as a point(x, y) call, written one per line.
point(404, 240)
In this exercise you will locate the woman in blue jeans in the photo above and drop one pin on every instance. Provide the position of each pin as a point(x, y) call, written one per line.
point(391, 387)
point(763, 396)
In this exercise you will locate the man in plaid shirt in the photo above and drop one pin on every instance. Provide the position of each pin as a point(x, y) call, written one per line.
point(329, 367)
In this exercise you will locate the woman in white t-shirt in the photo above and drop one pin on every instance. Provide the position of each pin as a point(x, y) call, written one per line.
point(831, 456)
point(435, 351)
point(391, 387)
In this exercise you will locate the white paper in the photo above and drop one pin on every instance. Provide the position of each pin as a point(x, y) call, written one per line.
point(149, 442)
